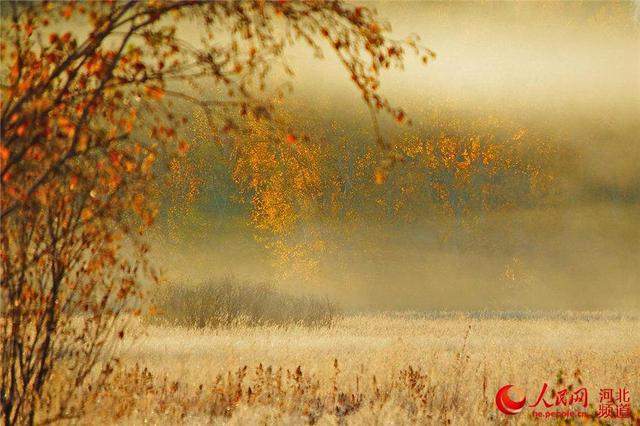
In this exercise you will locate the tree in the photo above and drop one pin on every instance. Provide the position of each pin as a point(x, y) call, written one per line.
point(84, 116)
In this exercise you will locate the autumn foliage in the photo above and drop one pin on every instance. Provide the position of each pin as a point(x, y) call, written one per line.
point(297, 191)
point(85, 116)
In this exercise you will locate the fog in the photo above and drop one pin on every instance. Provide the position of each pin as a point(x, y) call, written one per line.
point(569, 71)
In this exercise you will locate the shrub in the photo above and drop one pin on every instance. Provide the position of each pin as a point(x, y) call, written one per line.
point(227, 301)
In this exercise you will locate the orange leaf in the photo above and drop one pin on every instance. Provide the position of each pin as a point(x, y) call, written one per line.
point(154, 92)
point(67, 11)
point(86, 214)
point(291, 138)
point(183, 147)
point(4, 153)
point(148, 162)
point(83, 141)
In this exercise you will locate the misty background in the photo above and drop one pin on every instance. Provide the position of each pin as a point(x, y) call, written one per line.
point(567, 72)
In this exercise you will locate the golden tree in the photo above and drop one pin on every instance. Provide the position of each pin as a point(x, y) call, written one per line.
point(84, 116)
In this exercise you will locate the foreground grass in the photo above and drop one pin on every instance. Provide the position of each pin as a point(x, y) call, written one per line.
point(369, 370)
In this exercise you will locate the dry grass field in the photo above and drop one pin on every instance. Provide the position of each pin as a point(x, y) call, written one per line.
point(308, 212)
point(378, 369)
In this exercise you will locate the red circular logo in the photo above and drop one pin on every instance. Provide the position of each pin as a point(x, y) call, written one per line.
point(510, 399)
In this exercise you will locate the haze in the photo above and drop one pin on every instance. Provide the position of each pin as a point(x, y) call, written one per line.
point(568, 71)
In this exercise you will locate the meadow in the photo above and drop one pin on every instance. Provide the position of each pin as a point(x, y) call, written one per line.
point(388, 368)
point(367, 214)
